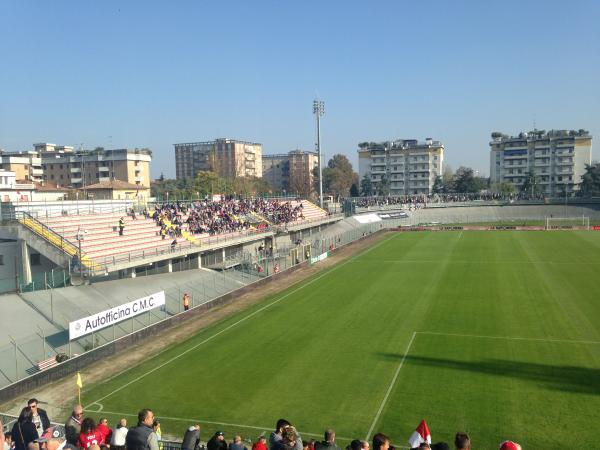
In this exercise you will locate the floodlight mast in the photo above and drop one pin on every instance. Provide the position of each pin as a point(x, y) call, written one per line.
point(319, 111)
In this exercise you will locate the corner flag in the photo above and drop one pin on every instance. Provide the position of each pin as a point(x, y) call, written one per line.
point(79, 383)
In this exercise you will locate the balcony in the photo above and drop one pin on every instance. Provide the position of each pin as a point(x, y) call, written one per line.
point(75, 170)
point(378, 171)
point(76, 180)
point(100, 179)
point(103, 169)
point(377, 163)
point(38, 172)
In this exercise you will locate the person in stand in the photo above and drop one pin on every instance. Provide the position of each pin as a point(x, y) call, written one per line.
point(158, 432)
point(142, 437)
point(217, 442)
point(186, 301)
point(90, 434)
point(105, 430)
point(260, 444)
point(191, 438)
point(118, 436)
point(24, 431)
point(173, 245)
point(39, 417)
point(73, 425)
point(121, 226)
point(236, 444)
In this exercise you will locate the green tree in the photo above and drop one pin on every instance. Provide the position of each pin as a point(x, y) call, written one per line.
point(338, 176)
point(531, 186)
point(504, 188)
point(438, 186)
point(366, 187)
point(465, 181)
point(208, 183)
point(590, 181)
point(384, 186)
point(354, 190)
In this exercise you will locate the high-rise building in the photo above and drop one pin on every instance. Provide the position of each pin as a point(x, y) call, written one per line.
point(227, 157)
point(292, 172)
point(405, 165)
point(556, 159)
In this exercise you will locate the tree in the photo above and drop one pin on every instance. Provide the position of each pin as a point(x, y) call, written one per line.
point(384, 186)
point(338, 176)
point(590, 181)
point(465, 181)
point(504, 188)
point(366, 187)
point(438, 185)
point(208, 183)
point(448, 178)
point(354, 190)
point(531, 185)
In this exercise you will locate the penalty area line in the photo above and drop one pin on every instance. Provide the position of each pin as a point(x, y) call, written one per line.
point(243, 319)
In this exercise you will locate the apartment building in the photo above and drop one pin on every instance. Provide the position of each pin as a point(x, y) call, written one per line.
point(65, 167)
point(276, 171)
point(27, 166)
point(409, 166)
point(557, 158)
point(292, 172)
point(229, 158)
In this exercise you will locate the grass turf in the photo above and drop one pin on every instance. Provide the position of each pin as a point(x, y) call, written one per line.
point(333, 350)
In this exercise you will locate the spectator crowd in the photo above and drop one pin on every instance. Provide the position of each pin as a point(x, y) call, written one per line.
point(33, 431)
point(226, 215)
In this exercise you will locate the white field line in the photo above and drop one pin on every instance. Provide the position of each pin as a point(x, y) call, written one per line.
point(223, 424)
point(473, 261)
point(210, 338)
point(512, 338)
point(390, 387)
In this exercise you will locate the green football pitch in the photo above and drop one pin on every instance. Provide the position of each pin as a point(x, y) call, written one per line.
point(492, 333)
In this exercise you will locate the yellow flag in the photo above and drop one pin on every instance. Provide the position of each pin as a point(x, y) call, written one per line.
point(79, 383)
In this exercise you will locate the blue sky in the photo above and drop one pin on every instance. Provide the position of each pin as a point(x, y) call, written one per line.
point(150, 74)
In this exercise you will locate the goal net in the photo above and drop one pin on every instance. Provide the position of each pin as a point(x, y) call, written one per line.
point(568, 223)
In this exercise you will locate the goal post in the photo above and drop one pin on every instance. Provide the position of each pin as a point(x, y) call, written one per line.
point(568, 223)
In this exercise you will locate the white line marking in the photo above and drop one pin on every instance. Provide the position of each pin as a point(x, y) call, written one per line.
point(391, 386)
point(224, 424)
point(240, 321)
point(511, 338)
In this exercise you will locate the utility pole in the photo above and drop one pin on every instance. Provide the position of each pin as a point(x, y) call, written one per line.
point(319, 111)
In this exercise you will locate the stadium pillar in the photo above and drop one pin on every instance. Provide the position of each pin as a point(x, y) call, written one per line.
point(170, 266)
point(132, 272)
point(25, 262)
point(198, 264)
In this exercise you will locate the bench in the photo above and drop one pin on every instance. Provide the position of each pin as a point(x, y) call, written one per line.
point(47, 363)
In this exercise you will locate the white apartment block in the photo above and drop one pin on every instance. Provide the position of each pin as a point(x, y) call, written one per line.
point(410, 166)
point(557, 158)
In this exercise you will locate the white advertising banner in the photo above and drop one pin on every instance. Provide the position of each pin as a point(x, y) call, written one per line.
point(114, 315)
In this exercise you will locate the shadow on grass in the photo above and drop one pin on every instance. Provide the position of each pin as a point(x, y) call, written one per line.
point(558, 377)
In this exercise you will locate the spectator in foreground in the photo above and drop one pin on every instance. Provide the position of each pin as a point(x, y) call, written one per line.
point(191, 438)
point(355, 445)
point(260, 444)
point(276, 436)
point(119, 434)
point(73, 425)
point(24, 430)
point(440, 446)
point(290, 439)
point(217, 442)
point(236, 444)
point(381, 442)
point(329, 442)
point(510, 445)
point(142, 437)
point(38, 417)
point(105, 430)
point(462, 441)
point(90, 434)
point(55, 439)
point(158, 433)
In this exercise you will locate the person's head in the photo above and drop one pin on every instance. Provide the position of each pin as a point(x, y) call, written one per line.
point(281, 424)
point(424, 445)
point(220, 436)
point(381, 442)
point(33, 446)
point(88, 425)
point(78, 412)
point(156, 424)
point(329, 435)
point(510, 445)
point(262, 439)
point(237, 439)
point(365, 445)
point(355, 445)
point(462, 441)
point(33, 404)
point(26, 415)
point(145, 417)
point(289, 436)
point(440, 446)
point(103, 421)
point(305, 445)
point(53, 439)
point(122, 423)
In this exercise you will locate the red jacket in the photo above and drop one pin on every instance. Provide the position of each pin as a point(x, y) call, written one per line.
point(259, 446)
point(92, 438)
point(107, 432)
